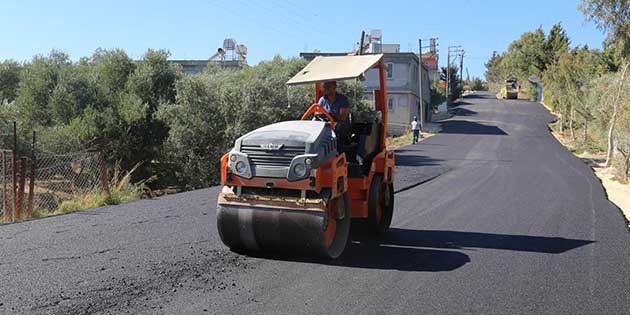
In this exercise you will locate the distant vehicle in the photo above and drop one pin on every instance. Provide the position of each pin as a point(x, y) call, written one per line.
point(511, 89)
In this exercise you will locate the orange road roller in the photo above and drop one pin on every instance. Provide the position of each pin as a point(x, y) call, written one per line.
point(292, 186)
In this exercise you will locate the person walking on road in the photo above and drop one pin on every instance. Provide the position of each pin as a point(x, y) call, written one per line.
point(415, 128)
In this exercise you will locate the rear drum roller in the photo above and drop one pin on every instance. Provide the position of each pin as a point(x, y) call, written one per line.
point(337, 229)
point(323, 234)
point(380, 205)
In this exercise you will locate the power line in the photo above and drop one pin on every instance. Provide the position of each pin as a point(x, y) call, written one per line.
point(284, 16)
point(249, 20)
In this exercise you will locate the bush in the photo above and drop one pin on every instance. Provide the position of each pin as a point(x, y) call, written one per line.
point(214, 108)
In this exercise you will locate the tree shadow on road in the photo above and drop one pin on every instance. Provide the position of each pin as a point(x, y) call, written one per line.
point(460, 111)
point(470, 128)
point(460, 103)
point(416, 160)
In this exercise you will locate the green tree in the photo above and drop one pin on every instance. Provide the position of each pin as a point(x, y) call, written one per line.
point(455, 88)
point(75, 90)
point(214, 108)
point(9, 80)
point(613, 17)
point(527, 56)
point(476, 84)
point(556, 43)
point(112, 69)
point(153, 82)
point(494, 70)
point(154, 78)
point(38, 80)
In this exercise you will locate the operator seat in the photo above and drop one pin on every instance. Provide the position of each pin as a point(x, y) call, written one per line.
point(367, 137)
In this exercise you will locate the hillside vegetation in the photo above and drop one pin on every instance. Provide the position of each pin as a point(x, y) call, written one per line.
point(588, 88)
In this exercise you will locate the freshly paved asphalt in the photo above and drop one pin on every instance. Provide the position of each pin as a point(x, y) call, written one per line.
point(506, 221)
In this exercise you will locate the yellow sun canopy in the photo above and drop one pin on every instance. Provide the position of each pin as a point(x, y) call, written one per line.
point(334, 68)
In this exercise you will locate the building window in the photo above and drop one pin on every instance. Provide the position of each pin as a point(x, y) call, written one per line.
point(390, 104)
point(390, 70)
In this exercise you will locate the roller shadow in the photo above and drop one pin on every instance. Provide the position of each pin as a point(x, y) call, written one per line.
point(466, 240)
point(427, 250)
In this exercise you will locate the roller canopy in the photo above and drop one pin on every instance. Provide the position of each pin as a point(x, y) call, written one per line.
point(334, 68)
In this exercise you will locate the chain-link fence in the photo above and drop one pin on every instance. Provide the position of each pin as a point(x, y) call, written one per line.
point(45, 181)
point(65, 177)
point(35, 181)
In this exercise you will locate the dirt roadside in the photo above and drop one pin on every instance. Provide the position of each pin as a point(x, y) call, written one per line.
point(617, 192)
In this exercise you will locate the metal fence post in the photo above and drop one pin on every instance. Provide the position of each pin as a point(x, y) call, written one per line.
point(13, 170)
point(5, 214)
point(20, 198)
point(31, 184)
point(104, 171)
point(31, 187)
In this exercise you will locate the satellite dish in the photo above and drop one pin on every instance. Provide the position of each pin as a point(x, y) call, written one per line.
point(534, 79)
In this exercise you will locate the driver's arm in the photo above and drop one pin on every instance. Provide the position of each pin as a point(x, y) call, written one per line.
point(343, 113)
point(344, 108)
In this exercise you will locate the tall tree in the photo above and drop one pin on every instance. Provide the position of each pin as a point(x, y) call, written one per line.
point(615, 113)
point(38, 80)
point(613, 17)
point(557, 43)
point(493, 68)
point(112, 69)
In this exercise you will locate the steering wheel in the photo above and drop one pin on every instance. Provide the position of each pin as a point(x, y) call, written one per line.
point(321, 117)
point(318, 111)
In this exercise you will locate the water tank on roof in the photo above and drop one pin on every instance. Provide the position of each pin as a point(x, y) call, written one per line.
point(376, 34)
point(229, 44)
point(242, 50)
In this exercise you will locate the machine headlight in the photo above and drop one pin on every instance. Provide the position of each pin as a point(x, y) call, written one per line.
point(299, 169)
point(240, 167)
point(308, 161)
point(233, 157)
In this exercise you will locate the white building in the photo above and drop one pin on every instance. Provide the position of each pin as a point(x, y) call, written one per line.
point(403, 89)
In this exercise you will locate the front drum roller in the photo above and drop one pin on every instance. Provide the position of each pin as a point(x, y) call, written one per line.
point(380, 205)
point(320, 233)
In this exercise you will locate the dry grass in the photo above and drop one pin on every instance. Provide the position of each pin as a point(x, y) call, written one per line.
point(121, 190)
point(394, 143)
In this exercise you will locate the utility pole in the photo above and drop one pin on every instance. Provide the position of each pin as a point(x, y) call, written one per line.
point(424, 115)
point(458, 52)
point(448, 76)
point(461, 70)
point(420, 80)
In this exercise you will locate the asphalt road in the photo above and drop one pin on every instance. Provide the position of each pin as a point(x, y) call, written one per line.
point(506, 221)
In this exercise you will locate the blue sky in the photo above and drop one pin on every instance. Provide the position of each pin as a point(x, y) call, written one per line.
point(194, 29)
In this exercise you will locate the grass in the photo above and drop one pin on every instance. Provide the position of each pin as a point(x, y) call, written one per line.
point(121, 190)
point(396, 142)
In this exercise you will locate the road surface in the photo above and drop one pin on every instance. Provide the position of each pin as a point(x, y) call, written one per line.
point(506, 221)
